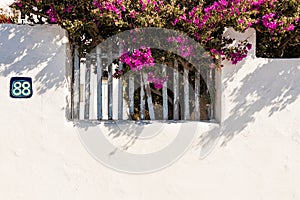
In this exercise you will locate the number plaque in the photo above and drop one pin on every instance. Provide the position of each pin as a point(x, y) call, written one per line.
point(20, 87)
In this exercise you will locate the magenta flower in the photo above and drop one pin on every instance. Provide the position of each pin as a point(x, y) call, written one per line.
point(291, 27)
point(120, 2)
point(175, 22)
point(249, 46)
point(198, 37)
point(158, 82)
point(214, 51)
point(19, 4)
point(183, 17)
point(223, 2)
point(132, 14)
point(138, 59)
point(158, 85)
point(52, 14)
point(68, 9)
point(269, 21)
point(240, 21)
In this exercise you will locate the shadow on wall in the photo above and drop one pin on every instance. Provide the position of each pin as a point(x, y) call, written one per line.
point(24, 49)
point(271, 86)
point(265, 88)
point(127, 132)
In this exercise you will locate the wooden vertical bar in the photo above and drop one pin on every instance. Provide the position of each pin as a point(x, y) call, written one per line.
point(197, 95)
point(176, 92)
point(149, 97)
point(87, 87)
point(131, 96)
point(99, 83)
point(165, 96)
point(93, 88)
point(82, 87)
point(110, 85)
point(120, 91)
point(142, 98)
point(76, 86)
point(186, 94)
point(212, 93)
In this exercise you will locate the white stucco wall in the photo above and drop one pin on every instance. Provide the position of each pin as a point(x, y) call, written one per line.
point(255, 155)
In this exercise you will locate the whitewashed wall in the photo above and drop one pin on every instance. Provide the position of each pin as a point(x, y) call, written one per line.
point(255, 155)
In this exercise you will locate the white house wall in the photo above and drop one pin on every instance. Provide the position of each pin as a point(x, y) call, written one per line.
point(253, 154)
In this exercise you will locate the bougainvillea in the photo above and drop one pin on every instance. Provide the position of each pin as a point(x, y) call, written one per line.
point(138, 59)
point(157, 81)
point(89, 22)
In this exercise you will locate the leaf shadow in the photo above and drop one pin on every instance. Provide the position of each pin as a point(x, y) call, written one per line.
point(269, 86)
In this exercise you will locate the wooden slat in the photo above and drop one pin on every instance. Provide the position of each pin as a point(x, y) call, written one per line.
point(186, 94)
point(212, 93)
point(110, 84)
point(131, 96)
point(76, 86)
point(142, 98)
point(197, 95)
point(176, 92)
point(99, 84)
point(165, 96)
point(93, 90)
point(149, 97)
point(87, 88)
point(82, 88)
point(120, 91)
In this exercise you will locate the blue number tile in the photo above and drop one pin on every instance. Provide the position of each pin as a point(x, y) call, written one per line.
point(21, 87)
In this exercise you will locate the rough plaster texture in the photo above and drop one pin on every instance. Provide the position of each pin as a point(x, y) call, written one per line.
point(254, 155)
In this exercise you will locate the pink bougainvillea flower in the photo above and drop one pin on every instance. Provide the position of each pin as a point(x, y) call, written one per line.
point(158, 85)
point(138, 59)
point(240, 21)
point(132, 14)
point(158, 82)
point(176, 20)
point(19, 4)
point(249, 46)
point(52, 14)
point(291, 27)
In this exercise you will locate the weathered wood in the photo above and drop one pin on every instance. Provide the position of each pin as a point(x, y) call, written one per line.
point(87, 88)
point(142, 98)
point(76, 86)
point(93, 90)
point(99, 83)
point(110, 93)
point(186, 94)
point(176, 91)
point(131, 96)
point(197, 95)
point(149, 97)
point(120, 91)
point(110, 84)
point(165, 95)
point(82, 88)
point(211, 91)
